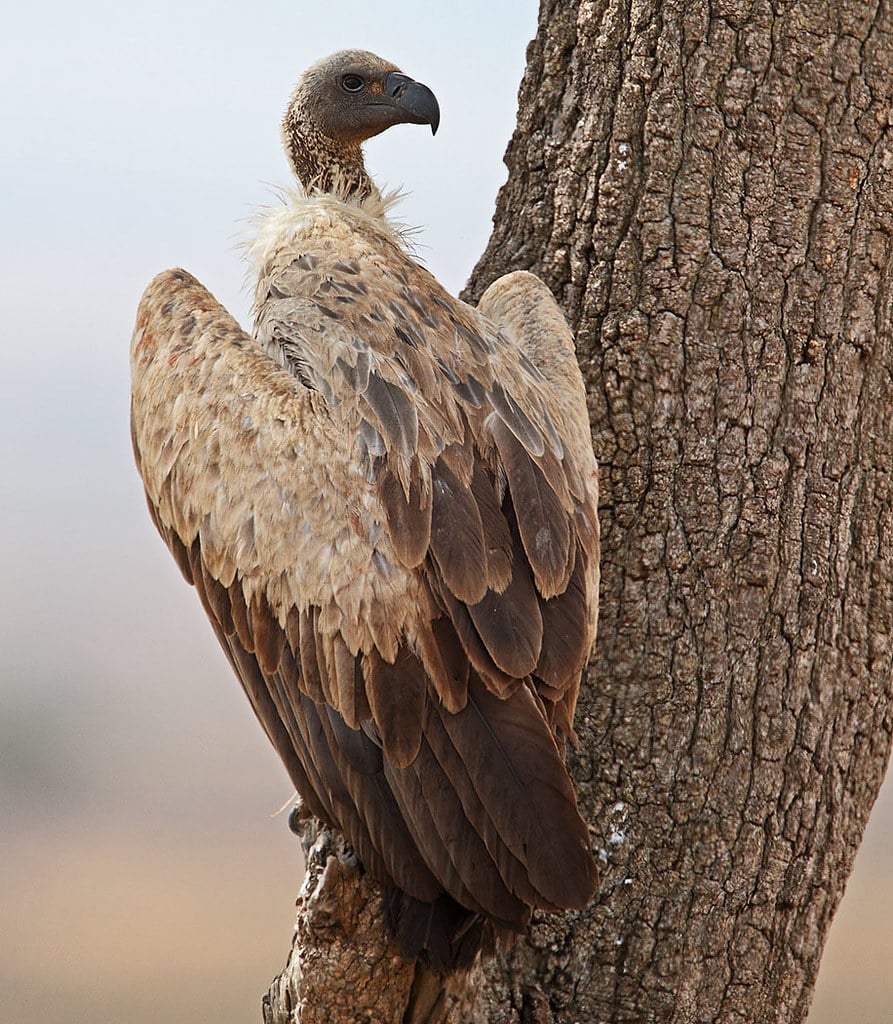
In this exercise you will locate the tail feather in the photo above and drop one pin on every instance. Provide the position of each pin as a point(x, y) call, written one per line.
point(443, 934)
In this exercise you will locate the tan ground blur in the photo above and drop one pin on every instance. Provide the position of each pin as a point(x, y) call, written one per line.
point(110, 929)
point(182, 927)
point(856, 979)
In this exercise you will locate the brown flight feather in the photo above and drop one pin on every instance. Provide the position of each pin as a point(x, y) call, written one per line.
point(445, 663)
point(542, 521)
point(408, 517)
point(510, 624)
point(397, 698)
point(457, 536)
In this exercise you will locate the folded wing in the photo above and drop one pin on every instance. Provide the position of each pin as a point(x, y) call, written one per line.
point(388, 507)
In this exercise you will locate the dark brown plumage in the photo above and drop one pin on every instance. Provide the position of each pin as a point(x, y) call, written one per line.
point(386, 501)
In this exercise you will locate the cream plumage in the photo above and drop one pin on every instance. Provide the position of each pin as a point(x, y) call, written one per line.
point(386, 500)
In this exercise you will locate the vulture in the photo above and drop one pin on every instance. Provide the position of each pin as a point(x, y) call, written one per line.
point(386, 501)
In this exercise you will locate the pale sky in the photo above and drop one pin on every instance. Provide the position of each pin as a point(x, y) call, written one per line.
point(138, 137)
point(142, 137)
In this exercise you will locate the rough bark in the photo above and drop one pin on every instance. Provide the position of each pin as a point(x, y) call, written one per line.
point(708, 190)
point(343, 967)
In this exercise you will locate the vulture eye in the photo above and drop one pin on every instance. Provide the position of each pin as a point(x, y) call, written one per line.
point(352, 83)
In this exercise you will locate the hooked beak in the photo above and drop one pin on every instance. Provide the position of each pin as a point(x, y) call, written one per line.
point(416, 102)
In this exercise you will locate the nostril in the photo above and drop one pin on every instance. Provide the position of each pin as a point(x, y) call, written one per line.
point(395, 85)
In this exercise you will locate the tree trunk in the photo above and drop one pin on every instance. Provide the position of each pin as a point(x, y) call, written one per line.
point(708, 190)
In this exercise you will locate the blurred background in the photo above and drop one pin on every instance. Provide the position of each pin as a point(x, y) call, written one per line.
point(144, 874)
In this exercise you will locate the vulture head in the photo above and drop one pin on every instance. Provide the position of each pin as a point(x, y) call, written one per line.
point(340, 102)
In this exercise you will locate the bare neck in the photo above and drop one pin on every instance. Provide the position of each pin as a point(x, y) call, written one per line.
point(320, 163)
